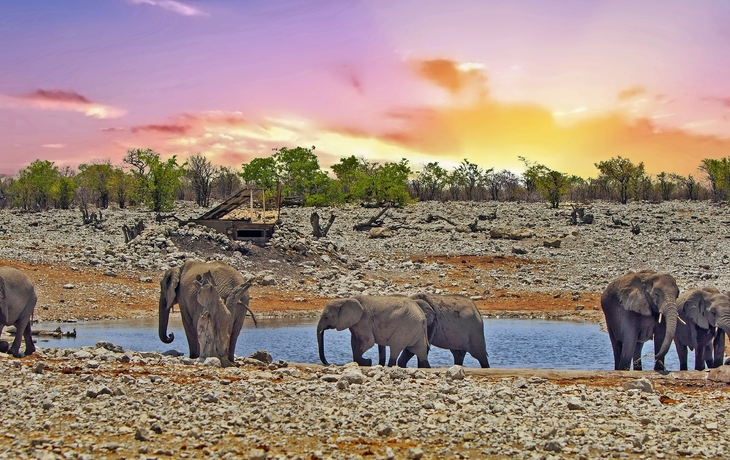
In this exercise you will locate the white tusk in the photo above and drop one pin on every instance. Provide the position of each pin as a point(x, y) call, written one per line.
point(660, 317)
point(681, 321)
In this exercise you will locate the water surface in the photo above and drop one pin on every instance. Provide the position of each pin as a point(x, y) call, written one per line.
point(511, 343)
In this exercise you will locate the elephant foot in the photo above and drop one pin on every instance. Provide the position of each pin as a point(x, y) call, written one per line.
point(424, 364)
point(659, 366)
point(4, 346)
point(364, 362)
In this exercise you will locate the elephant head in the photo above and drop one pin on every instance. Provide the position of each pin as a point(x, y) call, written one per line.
point(707, 308)
point(206, 289)
point(655, 294)
point(338, 314)
point(168, 297)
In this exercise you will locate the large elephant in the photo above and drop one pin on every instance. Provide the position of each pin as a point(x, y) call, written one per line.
point(17, 304)
point(704, 319)
point(177, 286)
point(215, 322)
point(639, 307)
point(393, 321)
point(454, 323)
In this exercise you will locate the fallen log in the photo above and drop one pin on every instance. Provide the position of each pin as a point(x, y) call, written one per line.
point(55, 333)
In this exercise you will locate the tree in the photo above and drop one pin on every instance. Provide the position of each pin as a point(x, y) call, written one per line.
point(433, 179)
point(33, 188)
point(689, 184)
point(299, 171)
point(665, 185)
point(470, 175)
point(97, 178)
point(348, 171)
point(156, 181)
point(383, 184)
point(622, 173)
point(262, 172)
point(226, 183)
point(718, 176)
point(120, 186)
point(201, 173)
point(64, 188)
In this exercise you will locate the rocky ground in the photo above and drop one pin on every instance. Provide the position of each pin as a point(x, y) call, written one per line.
point(522, 260)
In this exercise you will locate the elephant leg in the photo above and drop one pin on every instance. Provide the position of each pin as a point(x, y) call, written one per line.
point(191, 332)
point(616, 345)
point(627, 348)
point(682, 354)
point(28, 337)
point(718, 348)
point(421, 352)
point(235, 331)
point(700, 356)
point(481, 356)
point(404, 357)
point(458, 357)
point(359, 346)
point(381, 355)
point(394, 353)
point(20, 326)
point(637, 356)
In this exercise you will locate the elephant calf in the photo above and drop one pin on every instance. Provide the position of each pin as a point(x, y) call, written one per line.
point(393, 321)
point(17, 304)
point(215, 322)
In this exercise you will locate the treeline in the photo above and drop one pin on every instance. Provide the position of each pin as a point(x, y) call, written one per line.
point(144, 179)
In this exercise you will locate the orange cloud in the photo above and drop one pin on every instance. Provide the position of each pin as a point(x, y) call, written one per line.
point(61, 100)
point(453, 76)
point(630, 93)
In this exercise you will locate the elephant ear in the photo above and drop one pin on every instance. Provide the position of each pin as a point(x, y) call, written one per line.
point(3, 307)
point(695, 309)
point(350, 313)
point(168, 287)
point(632, 298)
point(238, 296)
point(427, 310)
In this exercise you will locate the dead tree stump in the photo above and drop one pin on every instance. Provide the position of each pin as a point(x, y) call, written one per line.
point(132, 232)
point(317, 230)
point(375, 221)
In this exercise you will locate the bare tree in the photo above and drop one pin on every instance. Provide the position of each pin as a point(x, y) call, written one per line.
point(201, 174)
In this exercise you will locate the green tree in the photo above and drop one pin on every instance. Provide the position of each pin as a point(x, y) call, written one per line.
point(470, 176)
point(156, 181)
point(384, 184)
point(689, 184)
point(64, 188)
point(262, 172)
point(33, 188)
point(665, 185)
point(433, 179)
point(201, 173)
point(120, 185)
point(300, 172)
point(622, 174)
point(718, 176)
point(97, 178)
point(348, 171)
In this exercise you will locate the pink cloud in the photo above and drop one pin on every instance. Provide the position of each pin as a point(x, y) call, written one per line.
point(54, 146)
point(61, 100)
point(174, 6)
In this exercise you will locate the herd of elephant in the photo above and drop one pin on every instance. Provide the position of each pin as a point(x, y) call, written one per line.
point(213, 300)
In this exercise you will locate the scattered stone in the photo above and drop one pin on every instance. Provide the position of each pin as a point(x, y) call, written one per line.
point(263, 356)
point(643, 385)
point(455, 373)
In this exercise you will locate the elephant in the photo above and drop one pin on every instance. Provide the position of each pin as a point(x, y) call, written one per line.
point(17, 305)
point(388, 320)
point(704, 320)
point(454, 323)
point(634, 305)
point(177, 286)
point(215, 322)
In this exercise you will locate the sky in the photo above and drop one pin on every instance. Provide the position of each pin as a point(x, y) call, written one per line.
point(564, 83)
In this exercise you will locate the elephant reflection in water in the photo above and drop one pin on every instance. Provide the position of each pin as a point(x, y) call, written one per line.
point(215, 322)
point(705, 319)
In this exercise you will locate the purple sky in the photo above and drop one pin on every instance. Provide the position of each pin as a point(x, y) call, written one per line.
point(564, 83)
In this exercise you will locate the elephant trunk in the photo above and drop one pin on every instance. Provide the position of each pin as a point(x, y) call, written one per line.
point(320, 342)
point(164, 318)
point(723, 322)
point(670, 317)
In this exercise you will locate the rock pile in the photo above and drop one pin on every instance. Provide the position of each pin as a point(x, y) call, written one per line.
point(106, 402)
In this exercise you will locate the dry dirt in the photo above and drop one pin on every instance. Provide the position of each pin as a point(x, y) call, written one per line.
point(95, 295)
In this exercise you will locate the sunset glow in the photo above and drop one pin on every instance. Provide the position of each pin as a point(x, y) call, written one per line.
point(566, 83)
